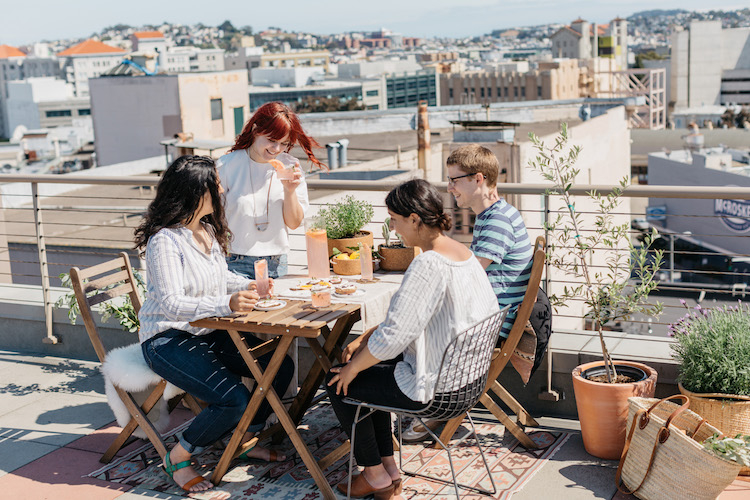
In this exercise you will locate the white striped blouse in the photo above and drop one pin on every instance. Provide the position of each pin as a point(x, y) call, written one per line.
point(184, 284)
point(437, 300)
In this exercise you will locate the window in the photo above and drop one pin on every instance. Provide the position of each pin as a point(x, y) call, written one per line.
point(84, 112)
point(216, 111)
point(450, 93)
point(515, 91)
point(489, 91)
point(523, 91)
point(499, 94)
point(373, 93)
point(58, 113)
point(539, 91)
point(481, 92)
point(506, 92)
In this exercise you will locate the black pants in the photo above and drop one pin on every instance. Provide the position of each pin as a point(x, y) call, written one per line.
point(375, 385)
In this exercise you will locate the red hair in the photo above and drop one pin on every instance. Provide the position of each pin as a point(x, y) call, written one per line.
point(276, 120)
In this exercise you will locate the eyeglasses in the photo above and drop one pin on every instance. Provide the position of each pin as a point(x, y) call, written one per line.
point(452, 180)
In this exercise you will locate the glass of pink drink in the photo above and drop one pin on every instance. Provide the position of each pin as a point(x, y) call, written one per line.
point(317, 248)
point(284, 164)
point(321, 296)
point(365, 261)
point(261, 278)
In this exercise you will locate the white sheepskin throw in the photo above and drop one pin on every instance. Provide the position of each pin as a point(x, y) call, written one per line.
point(126, 368)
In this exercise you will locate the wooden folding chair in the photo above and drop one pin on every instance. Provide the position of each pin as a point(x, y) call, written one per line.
point(501, 357)
point(115, 278)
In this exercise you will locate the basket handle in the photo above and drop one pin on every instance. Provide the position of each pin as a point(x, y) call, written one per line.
point(642, 417)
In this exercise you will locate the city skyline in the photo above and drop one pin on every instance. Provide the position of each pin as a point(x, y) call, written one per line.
point(436, 18)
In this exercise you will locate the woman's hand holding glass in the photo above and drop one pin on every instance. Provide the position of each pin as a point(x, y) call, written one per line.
point(291, 184)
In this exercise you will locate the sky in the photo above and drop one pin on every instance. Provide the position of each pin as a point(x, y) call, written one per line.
point(35, 20)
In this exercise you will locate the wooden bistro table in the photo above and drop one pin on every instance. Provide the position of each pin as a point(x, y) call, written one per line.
point(295, 320)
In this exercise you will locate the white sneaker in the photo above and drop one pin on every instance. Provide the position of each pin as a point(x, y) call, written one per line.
point(415, 431)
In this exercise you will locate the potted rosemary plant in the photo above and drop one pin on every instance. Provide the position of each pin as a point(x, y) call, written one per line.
point(575, 242)
point(712, 347)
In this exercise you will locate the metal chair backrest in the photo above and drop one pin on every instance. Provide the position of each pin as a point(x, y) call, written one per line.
point(112, 279)
point(463, 369)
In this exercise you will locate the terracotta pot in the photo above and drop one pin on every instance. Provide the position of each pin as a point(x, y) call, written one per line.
point(343, 244)
point(397, 258)
point(603, 408)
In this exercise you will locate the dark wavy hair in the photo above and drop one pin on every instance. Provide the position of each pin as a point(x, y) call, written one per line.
point(178, 196)
point(276, 120)
point(418, 196)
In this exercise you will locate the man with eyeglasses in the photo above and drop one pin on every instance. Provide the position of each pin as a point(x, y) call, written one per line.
point(500, 243)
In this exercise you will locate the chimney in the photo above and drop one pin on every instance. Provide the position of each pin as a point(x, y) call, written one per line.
point(423, 139)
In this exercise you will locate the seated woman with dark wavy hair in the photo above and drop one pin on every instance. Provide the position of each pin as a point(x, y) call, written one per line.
point(184, 235)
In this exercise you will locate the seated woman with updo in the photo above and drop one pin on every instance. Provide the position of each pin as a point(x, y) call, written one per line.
point(444, 292)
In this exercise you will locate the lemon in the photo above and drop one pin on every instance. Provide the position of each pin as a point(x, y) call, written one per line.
point(354, 255)
point(342, 256)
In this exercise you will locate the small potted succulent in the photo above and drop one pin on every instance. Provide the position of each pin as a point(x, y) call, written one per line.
point(393, 254)
point(345, 221)
point(712, 347)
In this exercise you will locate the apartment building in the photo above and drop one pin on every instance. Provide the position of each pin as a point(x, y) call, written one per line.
point(551, 80)
point(132, 114)
point(710, 65)
point(15, 65)
point(584, 40)
point(43, 103)
point(86, 60)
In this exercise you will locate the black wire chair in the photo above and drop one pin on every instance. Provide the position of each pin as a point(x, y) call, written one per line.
point(460, 382)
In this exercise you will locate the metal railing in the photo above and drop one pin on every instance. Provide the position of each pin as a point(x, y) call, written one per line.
point(46, 229)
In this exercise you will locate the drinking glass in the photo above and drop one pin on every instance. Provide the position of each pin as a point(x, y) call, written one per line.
point(261, 278)
point(317, 248)
point(321, 296)
point(289, 162)
point(365, 261)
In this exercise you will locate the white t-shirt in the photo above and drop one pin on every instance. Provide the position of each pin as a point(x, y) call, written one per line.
point(246, 190)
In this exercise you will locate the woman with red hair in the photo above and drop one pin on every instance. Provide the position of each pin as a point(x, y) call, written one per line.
point(261, 208)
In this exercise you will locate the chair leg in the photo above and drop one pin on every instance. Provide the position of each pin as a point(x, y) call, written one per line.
point(351, 452)
point(451, 426)
point(509, 424)
point(521, 414)
point(456, 484)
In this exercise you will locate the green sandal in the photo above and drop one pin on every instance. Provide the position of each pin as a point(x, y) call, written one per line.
point(171, 469)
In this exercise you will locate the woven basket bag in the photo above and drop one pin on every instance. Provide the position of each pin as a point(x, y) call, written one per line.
point(663, 456)
point(729, 413)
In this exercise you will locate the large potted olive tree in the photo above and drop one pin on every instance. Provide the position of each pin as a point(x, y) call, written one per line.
point(612, 277)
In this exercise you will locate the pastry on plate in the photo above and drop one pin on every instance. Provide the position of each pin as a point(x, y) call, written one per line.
point(268, 303)
point(346, 289)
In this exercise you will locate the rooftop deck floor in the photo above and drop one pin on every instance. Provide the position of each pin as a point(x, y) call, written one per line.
point(55, 423)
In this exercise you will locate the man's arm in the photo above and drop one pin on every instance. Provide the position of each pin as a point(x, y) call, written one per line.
point(485, 262)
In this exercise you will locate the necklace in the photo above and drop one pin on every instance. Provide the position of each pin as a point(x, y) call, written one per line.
point(260, 225)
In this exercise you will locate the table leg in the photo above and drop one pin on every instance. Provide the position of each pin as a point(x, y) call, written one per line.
point(332, 348)
point(262, 390)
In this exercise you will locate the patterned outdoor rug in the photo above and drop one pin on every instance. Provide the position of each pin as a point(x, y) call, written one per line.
point(512, 465)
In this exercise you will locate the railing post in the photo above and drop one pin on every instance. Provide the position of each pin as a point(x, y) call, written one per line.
point(42, 250)
point(545, 220)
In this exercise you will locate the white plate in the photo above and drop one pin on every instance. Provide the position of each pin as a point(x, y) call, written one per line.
point(358, 293)
point(271, 308)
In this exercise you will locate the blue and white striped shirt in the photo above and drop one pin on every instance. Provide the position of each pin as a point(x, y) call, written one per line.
point(500, 236)
point(184, 284)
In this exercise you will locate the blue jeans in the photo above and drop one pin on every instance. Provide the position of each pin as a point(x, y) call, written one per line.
point(210, 368)
point(244, 265)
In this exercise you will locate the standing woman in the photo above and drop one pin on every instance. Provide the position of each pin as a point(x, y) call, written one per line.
point(184, 236)
point(261, 208)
